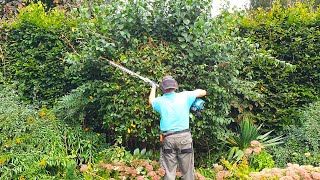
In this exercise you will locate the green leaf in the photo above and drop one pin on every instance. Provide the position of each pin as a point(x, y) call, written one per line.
point(136, 151)
point(184, 45)
point(180, 39)
point(186, 21)
point(143, 151)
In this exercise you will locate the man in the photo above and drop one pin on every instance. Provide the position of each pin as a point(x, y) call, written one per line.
point(174, 109)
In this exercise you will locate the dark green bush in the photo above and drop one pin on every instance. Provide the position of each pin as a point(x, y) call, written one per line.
point(33, 47)
point(291, 35)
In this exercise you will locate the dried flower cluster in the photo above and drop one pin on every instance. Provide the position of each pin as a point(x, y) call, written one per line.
point(138, 169)
point(292, 172)
point(255, 148)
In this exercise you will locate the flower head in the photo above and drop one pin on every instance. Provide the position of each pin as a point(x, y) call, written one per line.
point(84, 168)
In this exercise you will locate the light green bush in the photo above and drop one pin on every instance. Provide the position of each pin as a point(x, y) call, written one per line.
point(302, 143)
point(35, 144)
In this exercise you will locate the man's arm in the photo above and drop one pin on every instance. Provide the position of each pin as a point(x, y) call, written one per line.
point(152, 95)
point(200, 92)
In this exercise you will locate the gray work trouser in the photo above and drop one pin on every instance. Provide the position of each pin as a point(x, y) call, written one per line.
point(177, 150)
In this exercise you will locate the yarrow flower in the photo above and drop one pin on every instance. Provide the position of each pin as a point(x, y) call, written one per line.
point(18, 140)
point(149, 168)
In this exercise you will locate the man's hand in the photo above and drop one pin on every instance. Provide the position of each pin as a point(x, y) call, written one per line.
point(153, 84)
point(152, 95)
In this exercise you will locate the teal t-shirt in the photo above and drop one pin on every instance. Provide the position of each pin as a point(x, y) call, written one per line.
point(174, 109)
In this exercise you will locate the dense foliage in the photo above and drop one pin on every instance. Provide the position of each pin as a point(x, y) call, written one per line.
point(33, 48)
point(186, 43)
point(34, 144)
point(63, 105)
point(290, 35)
point(302, 143)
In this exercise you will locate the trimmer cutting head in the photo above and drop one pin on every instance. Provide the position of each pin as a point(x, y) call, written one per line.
point(168, 82)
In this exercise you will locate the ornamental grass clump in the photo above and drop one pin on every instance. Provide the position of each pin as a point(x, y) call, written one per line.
point(248, 140)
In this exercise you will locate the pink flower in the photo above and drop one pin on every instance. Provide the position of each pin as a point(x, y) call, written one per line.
point(140, 178)
point(149, 167)
point(155, 177)
point(255, 175)
point(292, 174)
point(133, 172)
point(84, 168)
point(107, 166)
point(199, 176)
point(286, 178)
point(255, 143)
point(152, 173)
point(257, 150)
point(248, 151)
point(161, 172)
point(222, 174)
point(218, 167)
point(315, 175)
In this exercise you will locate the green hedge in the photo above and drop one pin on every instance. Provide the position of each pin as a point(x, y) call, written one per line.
point(33, 47)
point(291, 35)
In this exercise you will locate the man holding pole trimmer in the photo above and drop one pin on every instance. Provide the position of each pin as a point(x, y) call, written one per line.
point(174, 109)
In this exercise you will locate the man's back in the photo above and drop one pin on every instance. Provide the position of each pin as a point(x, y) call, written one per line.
point(174, 110)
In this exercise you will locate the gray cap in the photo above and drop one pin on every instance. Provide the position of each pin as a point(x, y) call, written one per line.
point(168, 82)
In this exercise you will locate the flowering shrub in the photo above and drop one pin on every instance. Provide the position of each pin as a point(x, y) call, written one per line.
point(137, 169)
point(241, 170)
point(256, 159)
point(293, 171)
point(117, 163)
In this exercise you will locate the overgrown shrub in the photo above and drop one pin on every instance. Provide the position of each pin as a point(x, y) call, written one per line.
point(35, 144)
point(289, 34)
point(302, 143)
point(31, 143)
point(199, 51)
point(33, 47)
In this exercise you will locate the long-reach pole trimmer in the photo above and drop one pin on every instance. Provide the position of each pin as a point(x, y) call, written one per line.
point(129, 71)
point(196, 107)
